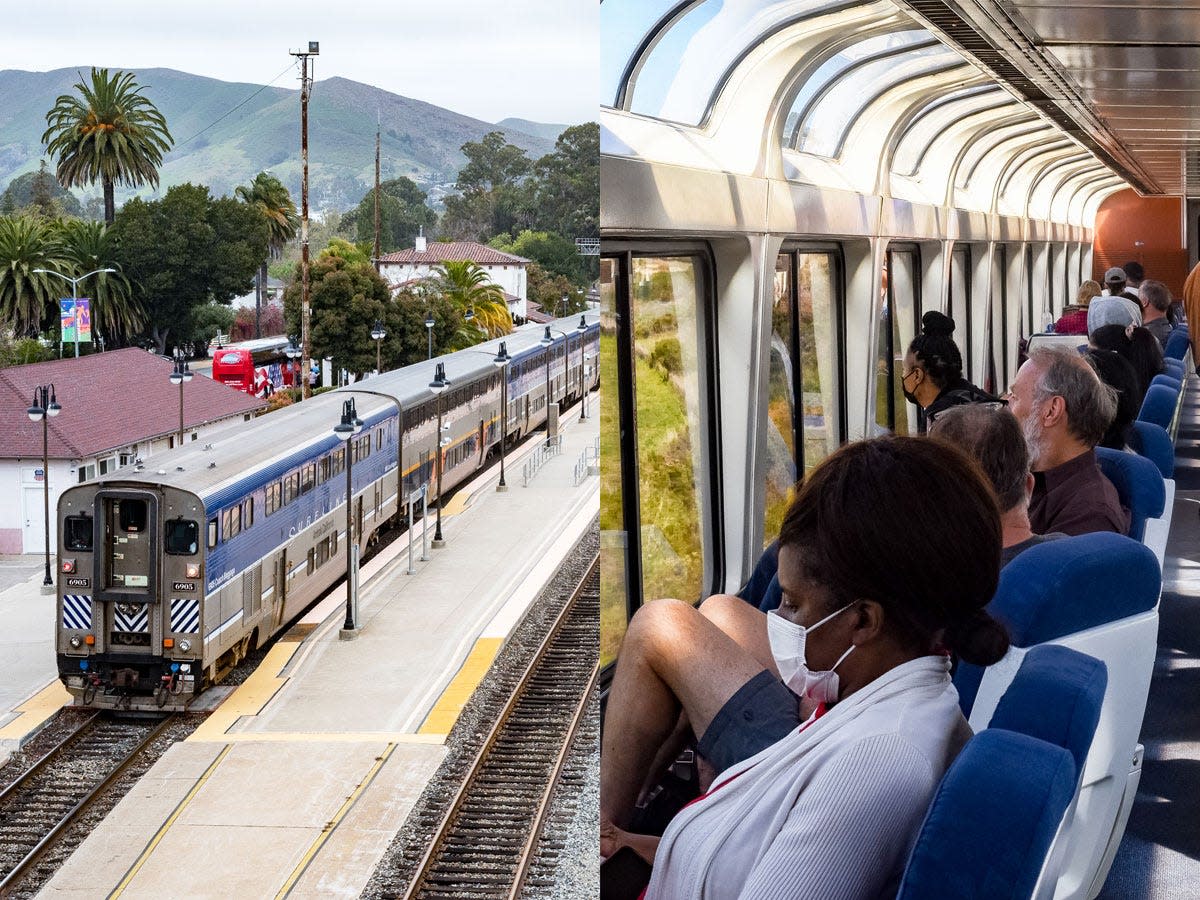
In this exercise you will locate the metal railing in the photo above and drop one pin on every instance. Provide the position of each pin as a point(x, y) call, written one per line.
point(537, 459)
point(588, 463)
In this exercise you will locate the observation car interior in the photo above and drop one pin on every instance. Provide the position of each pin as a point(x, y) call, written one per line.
point(788, 186)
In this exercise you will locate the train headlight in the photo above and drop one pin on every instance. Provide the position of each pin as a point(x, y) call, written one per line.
point(185, 668)
point(76, 642)
point(185, 645)
point(193, 570)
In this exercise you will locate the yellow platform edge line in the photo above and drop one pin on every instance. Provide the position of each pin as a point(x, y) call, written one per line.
point(36, 711)
point(250, 696)
point(158, 835)
point(450, 704)
point(326, 737)
point(315, 848)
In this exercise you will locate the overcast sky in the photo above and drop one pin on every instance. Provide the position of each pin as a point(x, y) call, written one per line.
point(532, 59)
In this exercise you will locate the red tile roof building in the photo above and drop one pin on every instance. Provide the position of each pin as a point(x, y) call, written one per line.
point(505, 270)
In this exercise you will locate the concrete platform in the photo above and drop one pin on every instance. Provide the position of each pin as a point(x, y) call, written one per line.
point(297, 783)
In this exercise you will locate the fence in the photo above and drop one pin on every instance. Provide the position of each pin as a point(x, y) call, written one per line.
point(588, 463)
point(537, 459)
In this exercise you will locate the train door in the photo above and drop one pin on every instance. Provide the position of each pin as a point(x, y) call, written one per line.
point(128, 545)
point(482, 442)
point(358, 516)
point(281, 586)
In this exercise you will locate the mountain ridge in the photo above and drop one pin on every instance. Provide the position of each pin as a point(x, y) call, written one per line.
point(226, 132)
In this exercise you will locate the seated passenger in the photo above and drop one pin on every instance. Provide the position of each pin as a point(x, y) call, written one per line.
point(1115, 371)
point(1064, 409)
point(1156, 306)
point(1137, 346)
point(991, 435)
point(933, 376)
point(832, 719)
point(1074, 318)
point(1114, 308)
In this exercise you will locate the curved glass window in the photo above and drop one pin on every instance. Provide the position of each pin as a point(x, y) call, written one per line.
point(833, 67)
point(679, 75)
point(624, 24)
point(940, 115)
point(991, 139)
point(824, 128)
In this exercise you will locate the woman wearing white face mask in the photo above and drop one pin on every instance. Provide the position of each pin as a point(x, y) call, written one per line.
point(831, 721)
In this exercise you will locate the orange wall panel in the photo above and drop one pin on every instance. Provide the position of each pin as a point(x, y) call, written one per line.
point(1125, 220)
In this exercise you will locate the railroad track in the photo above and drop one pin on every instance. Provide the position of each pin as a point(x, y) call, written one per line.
point(37, 808)
point(488, 837)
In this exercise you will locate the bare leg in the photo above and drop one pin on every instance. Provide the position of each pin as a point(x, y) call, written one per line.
point(672, 659)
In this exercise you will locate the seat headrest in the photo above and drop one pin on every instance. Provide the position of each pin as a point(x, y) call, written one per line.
point(1055, 696)
point(1139, 485)
point(1177, 344)
point(1153, 442)
point(1173, 368)
point(991, 822)
point(1167, 381)
point(1159, 405)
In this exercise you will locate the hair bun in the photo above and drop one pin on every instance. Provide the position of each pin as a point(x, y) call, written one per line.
point(935, 323)
point(978, 638)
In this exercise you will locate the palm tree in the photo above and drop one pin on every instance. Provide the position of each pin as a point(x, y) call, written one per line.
point(116, 313)
point(29, 299)
point(467, 286)
point(268, 195)
point(109, 133)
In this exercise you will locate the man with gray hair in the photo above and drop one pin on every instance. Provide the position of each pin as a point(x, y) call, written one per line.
point(1064, 409)
point(1155, 300)
point(992, 436)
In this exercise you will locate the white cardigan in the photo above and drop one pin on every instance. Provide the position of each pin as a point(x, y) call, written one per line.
point(831, 810)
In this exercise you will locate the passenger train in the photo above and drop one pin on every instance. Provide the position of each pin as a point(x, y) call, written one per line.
point(787, 186)
point(171, 570)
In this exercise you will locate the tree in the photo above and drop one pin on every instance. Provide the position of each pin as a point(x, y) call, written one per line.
point(553, 252)
point(467, 286)
point(29, 299)
point(185, 250)
point(565, 187)
point(22, 351)
point(402, 213)
point(109, 133)
point(547, 290)
point(115, 312)
point(38, 191)
point(346, 297)
point(271, 199)
point(205, 322)
point(490, 195)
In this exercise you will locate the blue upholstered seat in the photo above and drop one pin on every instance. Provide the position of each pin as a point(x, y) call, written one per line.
point(1177, 344)
point(1064, 587)
point(762, 590)
point(992, 820)
point(1159, 405)
point(1139, 484)
point(1173, 368)
point(1167, 381)
point(1055, 696)
point(1152, 441)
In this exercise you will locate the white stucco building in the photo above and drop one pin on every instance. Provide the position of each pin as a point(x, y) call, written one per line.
point(505, 270)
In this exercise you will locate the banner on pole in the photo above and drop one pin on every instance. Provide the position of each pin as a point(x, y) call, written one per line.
point(75, 317)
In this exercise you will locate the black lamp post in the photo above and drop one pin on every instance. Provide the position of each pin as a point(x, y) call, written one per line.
point(501, 362)
point(45, 406)
point(429, 323)
point(348, 427)
point(437, 386)
point(547, 341)
point(582, 329)
point(377, 335)
point(181, 374)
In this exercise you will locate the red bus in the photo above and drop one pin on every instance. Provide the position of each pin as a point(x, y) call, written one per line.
point(256, 367)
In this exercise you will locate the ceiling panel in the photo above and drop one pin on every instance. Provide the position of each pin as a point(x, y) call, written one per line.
point(1126, 23)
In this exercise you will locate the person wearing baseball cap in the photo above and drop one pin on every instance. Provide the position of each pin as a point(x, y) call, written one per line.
point(1114, 307)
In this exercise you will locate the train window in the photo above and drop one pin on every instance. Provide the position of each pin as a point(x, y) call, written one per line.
point(960, 305)
point(379, 439)
point(338, 460)
point(291, 487)
point(323, 470)
point(77, 533)
point(212, 533)
point(312, 561)
point(247, 513)
point(232, 524)
point(308, 477)
point(133, 515)
point(899, 314)
point(183, 537)
point(274, 497)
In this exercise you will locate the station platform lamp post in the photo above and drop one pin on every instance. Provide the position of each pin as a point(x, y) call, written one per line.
point(74, 282)
point(438, 387)
point(179, 376)
point(45, 407)
point(501, 362)
point(429, 323)
point(349, 426)
point(377, 335)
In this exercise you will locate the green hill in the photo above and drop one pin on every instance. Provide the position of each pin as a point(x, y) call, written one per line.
point(227, 132)
point(537, 129)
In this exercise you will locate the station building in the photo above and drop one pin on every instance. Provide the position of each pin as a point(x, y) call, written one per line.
point(117, 407)
point(505, 270)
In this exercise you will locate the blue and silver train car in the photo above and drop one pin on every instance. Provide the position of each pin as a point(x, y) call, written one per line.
point(788, 185)
point(171, 570)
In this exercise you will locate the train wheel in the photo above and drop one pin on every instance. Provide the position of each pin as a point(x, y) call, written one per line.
point(89, 694)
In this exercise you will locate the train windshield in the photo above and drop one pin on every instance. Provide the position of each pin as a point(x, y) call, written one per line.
point(77, 532)
point(183, 537)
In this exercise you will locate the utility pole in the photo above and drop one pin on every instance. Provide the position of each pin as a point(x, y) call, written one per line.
point(314, 48)
point(376, 259)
